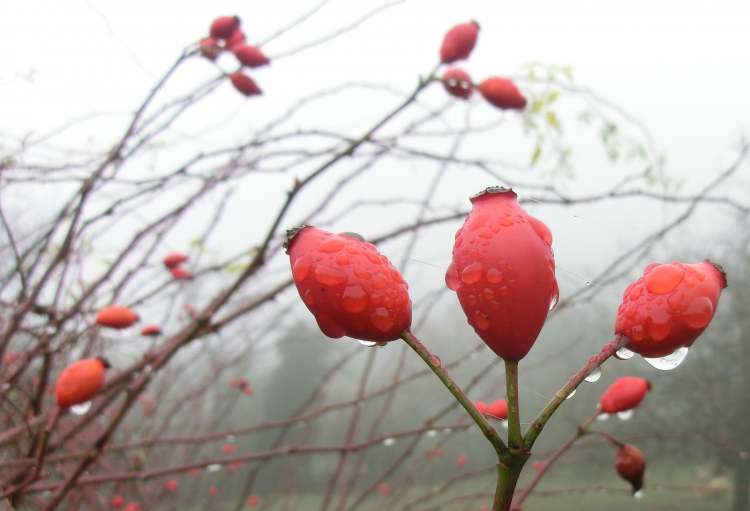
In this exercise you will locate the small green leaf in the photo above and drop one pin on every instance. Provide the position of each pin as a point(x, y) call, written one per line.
point(536, 154)
point(552, 120)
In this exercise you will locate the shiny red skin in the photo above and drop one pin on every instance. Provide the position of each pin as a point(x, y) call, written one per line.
point(224, 26)
point(180, 273)
point(79, 382)
point(174, 259)
point(244, 84)
point(116, 316)
point(502, 93)
point(669, 306)
point(350, 288)
point(503, 272)
point(237, 38)
point(458, 42)
point(150, 331)
point(497, 410)
point(250, 56)
point(457, 82)
point(117, 501)
point(631, 465)
point(624, 394)
point(209, 48)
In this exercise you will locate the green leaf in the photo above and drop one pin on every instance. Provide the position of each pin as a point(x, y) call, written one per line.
point(536, 154)
point(552, 120)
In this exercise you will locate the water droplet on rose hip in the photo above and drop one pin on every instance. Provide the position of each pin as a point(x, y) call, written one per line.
point(213, 468)
point(626, 415)
point(381, 319)
point(555, 298)
point(594, 375)
point(504, 424)
point(638, 495)
point(301, 269)
point(367, 344)
point(389, 442)
point(602, 417)
point(570, 396)
point(451, 278)
point(432, 433)
point(354, 299)
point(699, 312)
point(624, 353)
point(81, 409)
point(331, 244)
point(481, 321)
point(472, 273)
point(664, 278)
point(494, 276)
point(329, 276)
point(671, 361)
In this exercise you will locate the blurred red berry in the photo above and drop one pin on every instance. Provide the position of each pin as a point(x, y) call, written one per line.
point(250, 56)
point(503, 272)
point(237, 38)
point(384, 489)
point(235, 465)
point(171, 485)
point(213, 491)
point(253, 501)
point(350, 288)
point(132, 506)
point(116, 316)
point(180, 273)
point(461, 461)
point(437, 452)
point(244, 84)
point(631, 465)
point(209, 48)
point(502, 93)
point(229, 449)
point(80, 381)
point(497, 410)
point(151, 331)
point(669, 306)
point(224, 26)
point(194, 472)
point(174, 259)
point(117, 501)
point(458, 83)
point(624, 394)
point(538, 465)
point(458, 42)
point(481, 407)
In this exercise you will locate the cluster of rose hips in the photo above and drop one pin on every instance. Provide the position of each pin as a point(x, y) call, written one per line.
point(458, 44)
point(225, 35)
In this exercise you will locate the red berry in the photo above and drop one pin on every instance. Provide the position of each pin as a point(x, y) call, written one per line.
point(174, 259)
point(132, 506)
point(250, 56)
point(151, 331)
point(631, 465)
point(350, 288)
point(458, 42)
point(237, 38)
point(117, 501)
point(253, 501)
point(171, 485)
point(384, 489)
point(180, 273)
point(669, 306)
point(458, 83)
point(502, 93)
point(503, 272)
point(210, 48)
point(213, 491)
point(481, 407)
point(461, 460)
point(538, 465)
point(244, 84)
point(80, 381)
point(115, 316)
point(497, 410)
point(194, 472)
point(223, 26)
point(229, 449)
point(624, 394)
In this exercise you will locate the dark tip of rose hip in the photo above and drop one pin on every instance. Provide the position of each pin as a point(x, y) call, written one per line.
point(104, 362)
point(649, 385)
point(290, 235)
point(475, 22)
point(720, 269)
point(237, 19)
point(491, 191)
point(353, 235)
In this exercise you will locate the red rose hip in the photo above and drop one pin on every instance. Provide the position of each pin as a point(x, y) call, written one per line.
point(502, 93)
point(80, 381)
point(116, 316)
point(244, 84)
point(250, 56)
point(503, 272)
point(624, 394)
point(457, 82)
point(174, 259)
point(631, 465)
point(350, 288)
point(224, 26)
point(458, 42)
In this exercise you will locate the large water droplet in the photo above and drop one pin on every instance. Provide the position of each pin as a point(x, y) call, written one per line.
point(481, 321)
point(555, 298)
point(213, 468)
point(81, 409)
point(570, 396)
point(504, 424)
point(664, 278)
point(301, 269)
point(624, 353)
point(494, 276)
point(594, 375)
point(331, 244)
point(354, 299)
point(381, 319)
point(432, 433)
point(660, 324)
point(638, 495)
point(669, 362)
point(451, 278)
point(389, 442)
point(472, 273)
point(626, 415)
point(699, 313)
point(329, 276)
point(602, 417)
point(367, 344)
point(342, 259)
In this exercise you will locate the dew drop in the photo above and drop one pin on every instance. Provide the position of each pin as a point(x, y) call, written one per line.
point(451, 278)
point(373, 257)
point(342, 259)
point(367, 344)
point(481, 321)
point(435, 360)
point(381, 319)
point(379, 281)
point(329, 276)
point(504, 424)
point(602, 417)
point(664, 278)
point(213, 468)
point(699, 313)
point(354, 299)
point(594, 375)
point(506, 221)
point(301, 269)
point(671, 361)
point(624, 353)
point(389, 442)
point(432, 433)
point(638, 495)
point(494, 276)
point(569, 396)
point(625, 416)
point(555, 298)
point(81, 409)
point(309, 298)
point(331, 244)
point(472, 273)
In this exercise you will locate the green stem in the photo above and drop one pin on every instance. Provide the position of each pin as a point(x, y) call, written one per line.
point(515, 438)
point(507, 478)
point(489, 432)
